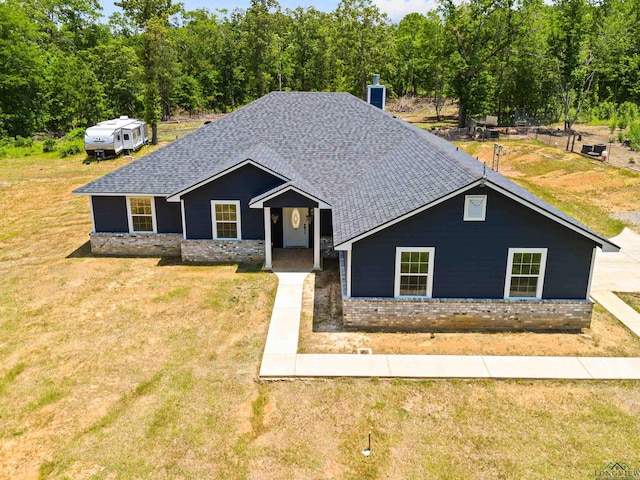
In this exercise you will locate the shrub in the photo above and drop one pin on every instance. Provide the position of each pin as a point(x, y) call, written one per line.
point(604, 111)
point(633, 135)
point(623, 121)
point(49, 145)
point(621, 137)
point(69, 149)
point(628, 110)
point(76, 134)
point(23, 142)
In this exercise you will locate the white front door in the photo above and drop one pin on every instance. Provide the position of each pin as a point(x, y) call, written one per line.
point(296, 230)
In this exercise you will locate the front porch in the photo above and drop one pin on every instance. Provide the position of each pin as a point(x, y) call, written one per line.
point(292, 260)
point(297, 227)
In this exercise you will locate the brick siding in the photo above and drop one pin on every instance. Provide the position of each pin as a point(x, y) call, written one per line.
point(223, 251)
point(136, 244)
point(470, 315)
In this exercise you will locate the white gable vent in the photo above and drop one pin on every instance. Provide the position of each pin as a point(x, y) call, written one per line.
point(475, 208)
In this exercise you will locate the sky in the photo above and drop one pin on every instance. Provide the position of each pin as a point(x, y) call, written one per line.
point(396, 9)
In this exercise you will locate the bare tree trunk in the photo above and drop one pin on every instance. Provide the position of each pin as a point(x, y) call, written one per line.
point(154, 134)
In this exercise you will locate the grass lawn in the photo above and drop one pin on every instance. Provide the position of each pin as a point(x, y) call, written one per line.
point(632, 299)
point(145, 368)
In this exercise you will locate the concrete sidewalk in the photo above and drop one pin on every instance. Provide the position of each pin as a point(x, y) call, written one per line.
point(619, 272)
point(613, 272)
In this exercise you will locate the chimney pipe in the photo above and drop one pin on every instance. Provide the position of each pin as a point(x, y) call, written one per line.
point(376, 93)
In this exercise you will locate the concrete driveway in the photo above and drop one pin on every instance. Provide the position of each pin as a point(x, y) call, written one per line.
point(619, 272)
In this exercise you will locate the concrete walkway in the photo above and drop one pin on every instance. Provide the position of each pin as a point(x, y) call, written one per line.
point(613, 272)
point(619, 272)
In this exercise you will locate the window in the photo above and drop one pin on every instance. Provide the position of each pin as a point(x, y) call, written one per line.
point(525, 272)
point(226, 219)
point(142, 215)
point(414, 271)
point(475, 207)
point(126, 136)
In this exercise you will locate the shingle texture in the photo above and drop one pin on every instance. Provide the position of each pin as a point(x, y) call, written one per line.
point(371, 167)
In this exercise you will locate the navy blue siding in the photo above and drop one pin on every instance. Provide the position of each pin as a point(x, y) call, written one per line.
point(291, 199)
point(168, 216)
point(471, 257)
point(242, 184)
point(326, 223)
point(110, 214)
point(377, 96)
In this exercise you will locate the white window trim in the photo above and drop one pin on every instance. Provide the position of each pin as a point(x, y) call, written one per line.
point(467, 200)
point(214, 230)
point(543, 266)
point(153, 214)
point(432, 255)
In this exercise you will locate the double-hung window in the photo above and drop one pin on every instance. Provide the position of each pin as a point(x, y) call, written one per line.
point(414, 271)
point(226, 219)
point(142, 214)
point(525, 272)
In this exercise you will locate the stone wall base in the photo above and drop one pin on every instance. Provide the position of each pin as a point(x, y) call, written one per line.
point(136, 244)
point(222, 251)
point(465, 315)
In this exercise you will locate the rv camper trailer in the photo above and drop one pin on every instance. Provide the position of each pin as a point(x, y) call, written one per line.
point(109, 138)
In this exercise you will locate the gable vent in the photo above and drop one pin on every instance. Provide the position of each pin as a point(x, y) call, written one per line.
point(475, 207)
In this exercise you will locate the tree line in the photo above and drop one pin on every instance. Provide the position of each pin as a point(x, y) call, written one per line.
point(62, 67)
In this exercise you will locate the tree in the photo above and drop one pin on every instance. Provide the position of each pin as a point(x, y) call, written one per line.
point(479, 31)
point(152, 17)
point(572, 50)
point(22, 60)
point(75, 97)
point(307, 49)
point(360, 44)
point(260, 45)
point(120, 76)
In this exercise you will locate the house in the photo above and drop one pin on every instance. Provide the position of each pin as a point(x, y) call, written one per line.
point(429, 239)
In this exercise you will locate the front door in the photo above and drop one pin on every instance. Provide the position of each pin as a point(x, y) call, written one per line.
point(296, 230)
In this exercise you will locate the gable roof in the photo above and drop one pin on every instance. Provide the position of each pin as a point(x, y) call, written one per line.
point(334, 147)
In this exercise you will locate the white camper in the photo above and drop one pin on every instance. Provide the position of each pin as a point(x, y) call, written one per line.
point(109, 138)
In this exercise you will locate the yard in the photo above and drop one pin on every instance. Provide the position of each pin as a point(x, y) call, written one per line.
point(146, 368)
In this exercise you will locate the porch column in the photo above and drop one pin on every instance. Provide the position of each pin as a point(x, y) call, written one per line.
point(267, 238)
point(316, 239)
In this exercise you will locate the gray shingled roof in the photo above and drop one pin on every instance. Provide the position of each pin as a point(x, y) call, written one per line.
point(333, 146)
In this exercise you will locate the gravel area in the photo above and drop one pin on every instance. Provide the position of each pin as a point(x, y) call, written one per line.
point(632, 218)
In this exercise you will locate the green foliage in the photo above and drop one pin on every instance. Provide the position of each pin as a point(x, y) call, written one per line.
point(62, 69)
point(76, 134)
point(633, 135)
point(70, 149)
point(604, 110)
point(23, 142)
point(49, 145)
